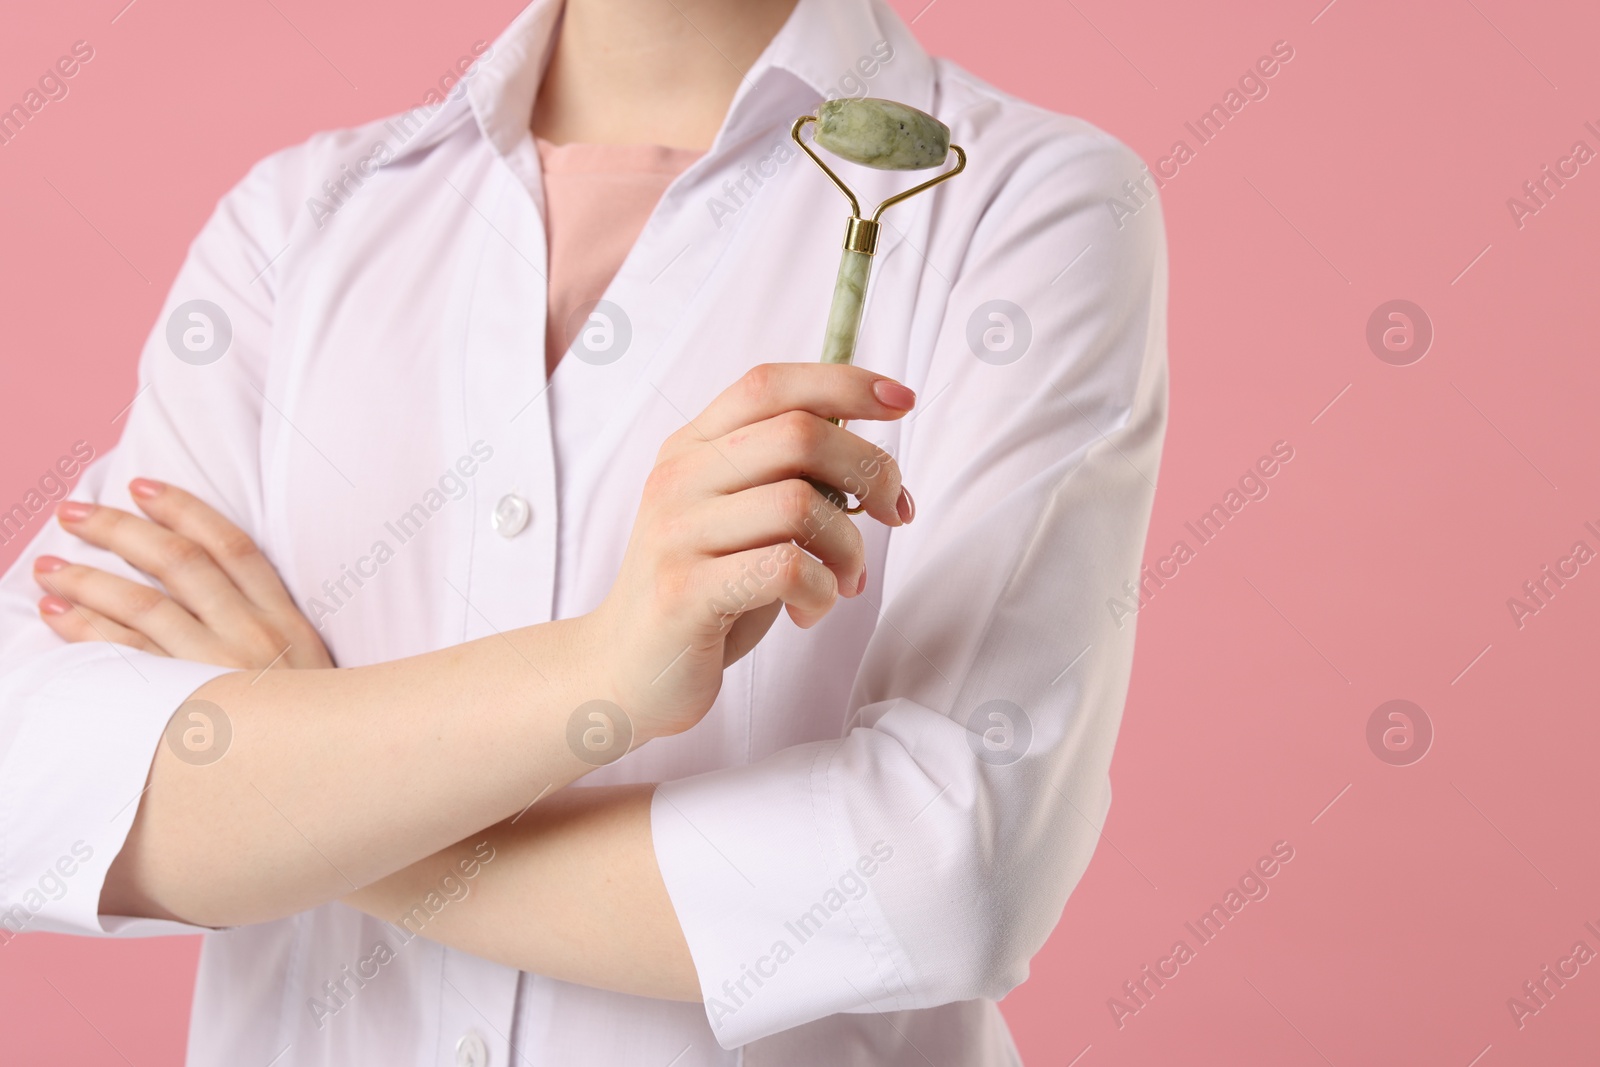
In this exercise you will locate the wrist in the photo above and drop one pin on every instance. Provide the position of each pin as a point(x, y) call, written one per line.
point(629, 662)
point(608, 713)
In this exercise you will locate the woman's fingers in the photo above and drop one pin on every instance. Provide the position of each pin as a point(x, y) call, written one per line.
point(774, 424)
point(224, 603)
point(230, 548)
point(828, 390)
point(790, 510)
point(744, 581)
point(799, 444)
point(133, 608)
point(78, 624)
point(185, 568)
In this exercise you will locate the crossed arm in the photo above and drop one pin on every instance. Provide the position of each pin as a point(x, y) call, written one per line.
point(369, 783)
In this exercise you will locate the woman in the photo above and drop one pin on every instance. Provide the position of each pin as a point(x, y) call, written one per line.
point(835, 835)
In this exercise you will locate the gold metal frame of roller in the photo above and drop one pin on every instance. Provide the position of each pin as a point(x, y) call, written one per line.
point(861, 235)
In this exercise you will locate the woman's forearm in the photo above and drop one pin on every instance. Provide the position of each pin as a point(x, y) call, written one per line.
point(336, 778)
point(569, 890)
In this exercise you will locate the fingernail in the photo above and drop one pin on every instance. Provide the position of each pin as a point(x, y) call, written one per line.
point(905, 506)
point(48, 564)
point(145, 488)
point(74, 511)
point(54, 605)
point(861, 585)
point(892, 394)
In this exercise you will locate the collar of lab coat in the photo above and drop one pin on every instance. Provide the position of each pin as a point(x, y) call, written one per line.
point(816, 55)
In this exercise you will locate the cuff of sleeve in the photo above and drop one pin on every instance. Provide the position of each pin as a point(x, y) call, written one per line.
point(87, 720)
point(774, 895)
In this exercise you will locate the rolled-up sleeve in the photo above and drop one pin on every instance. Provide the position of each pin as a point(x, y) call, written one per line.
point(925, 856)
point(80, 723)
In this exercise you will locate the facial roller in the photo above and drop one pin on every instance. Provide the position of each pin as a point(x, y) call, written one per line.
point(883, 135)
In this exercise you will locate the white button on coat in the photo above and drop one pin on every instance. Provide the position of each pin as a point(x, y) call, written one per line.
point(471, 1051)
point(511, 515)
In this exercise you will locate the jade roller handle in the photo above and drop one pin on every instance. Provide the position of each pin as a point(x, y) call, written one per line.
point(844, 325)
point(849, 297)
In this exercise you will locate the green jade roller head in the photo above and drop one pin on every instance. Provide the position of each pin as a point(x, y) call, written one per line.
point(883, 135)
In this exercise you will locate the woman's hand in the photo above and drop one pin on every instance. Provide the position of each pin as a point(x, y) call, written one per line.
point(729, 531)
point(223, 604)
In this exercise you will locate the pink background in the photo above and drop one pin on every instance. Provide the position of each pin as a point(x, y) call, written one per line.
point(1378, 567)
